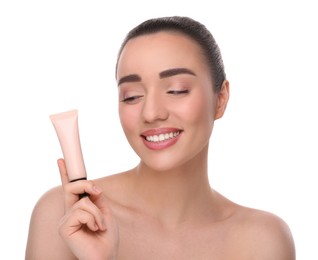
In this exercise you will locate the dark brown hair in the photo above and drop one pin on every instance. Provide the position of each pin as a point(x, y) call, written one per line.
point(191, 28)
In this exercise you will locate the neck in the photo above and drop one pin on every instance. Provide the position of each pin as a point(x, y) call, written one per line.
point(175, 195)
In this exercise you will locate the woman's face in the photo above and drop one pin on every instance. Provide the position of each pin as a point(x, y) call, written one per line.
point(167, 105)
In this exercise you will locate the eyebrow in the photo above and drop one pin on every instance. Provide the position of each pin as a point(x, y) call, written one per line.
point(129, 78)
point(174, 72)
point(164, 74)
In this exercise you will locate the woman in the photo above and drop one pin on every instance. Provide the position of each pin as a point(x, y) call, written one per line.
point(172, 87)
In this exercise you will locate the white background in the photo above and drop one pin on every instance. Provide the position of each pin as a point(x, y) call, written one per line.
point(60, 55)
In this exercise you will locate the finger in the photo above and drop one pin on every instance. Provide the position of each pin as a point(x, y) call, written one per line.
point(101, 201)
point(88, 206)
point(72, 191)
point(108, 217)
point(63, 171)
point(84, 212)
point(74, 221)
point(104, 205)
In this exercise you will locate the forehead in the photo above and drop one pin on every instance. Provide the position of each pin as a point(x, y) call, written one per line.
point(162, 49)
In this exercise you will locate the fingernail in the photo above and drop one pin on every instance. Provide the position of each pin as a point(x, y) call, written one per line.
point(103, 227)
point(97, 189)
point(95, 227)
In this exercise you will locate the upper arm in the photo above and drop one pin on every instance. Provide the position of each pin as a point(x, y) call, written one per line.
point(44, 241)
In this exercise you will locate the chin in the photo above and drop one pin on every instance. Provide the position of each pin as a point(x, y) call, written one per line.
point(162, 164)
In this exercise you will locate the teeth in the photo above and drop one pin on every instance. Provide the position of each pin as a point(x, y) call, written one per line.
point(162, 137)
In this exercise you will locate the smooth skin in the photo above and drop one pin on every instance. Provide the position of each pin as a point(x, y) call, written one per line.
point(164, 208)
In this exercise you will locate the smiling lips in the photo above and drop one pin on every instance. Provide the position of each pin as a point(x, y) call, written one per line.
point(158, 139)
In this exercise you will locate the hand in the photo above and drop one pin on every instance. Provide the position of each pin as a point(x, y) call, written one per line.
point(88, 226)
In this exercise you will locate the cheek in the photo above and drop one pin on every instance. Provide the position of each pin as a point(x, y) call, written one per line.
point(128, 119)
point(199, 110)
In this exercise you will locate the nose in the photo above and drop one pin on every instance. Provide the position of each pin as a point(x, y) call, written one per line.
point(154, 108)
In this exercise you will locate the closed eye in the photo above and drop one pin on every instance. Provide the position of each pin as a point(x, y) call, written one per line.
point(178, 92)
point(132, 99)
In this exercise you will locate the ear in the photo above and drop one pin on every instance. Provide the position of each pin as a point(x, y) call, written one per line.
point(222, 99)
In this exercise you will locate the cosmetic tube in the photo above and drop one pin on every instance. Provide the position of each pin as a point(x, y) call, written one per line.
point(66, 127)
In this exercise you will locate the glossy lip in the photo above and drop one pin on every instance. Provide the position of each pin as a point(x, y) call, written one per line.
point(163, 144)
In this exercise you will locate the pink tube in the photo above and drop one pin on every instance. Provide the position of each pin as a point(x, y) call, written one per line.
point(66, 127)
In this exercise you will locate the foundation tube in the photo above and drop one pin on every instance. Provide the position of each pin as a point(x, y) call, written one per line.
point(66, 127)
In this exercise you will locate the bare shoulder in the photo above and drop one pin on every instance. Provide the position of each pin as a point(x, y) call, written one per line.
point(265, 235)
point(115, 186)
point(44, 241)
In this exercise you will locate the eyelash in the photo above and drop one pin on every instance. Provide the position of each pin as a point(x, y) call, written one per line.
point(172, 92)
point(131, 99)
point(178, 92)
